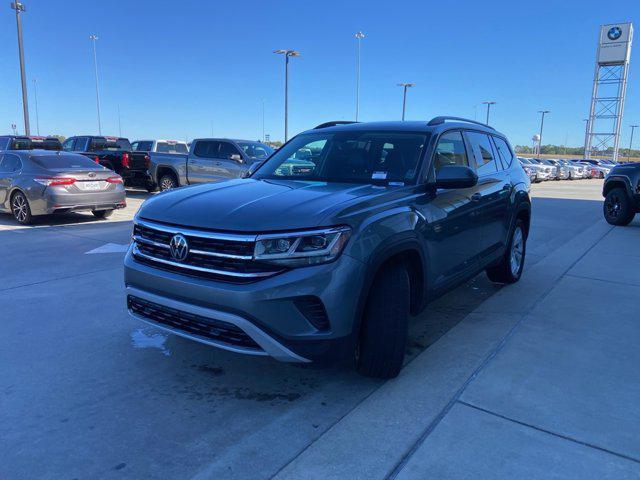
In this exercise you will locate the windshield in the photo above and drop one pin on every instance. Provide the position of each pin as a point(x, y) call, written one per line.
point(171, 147)
point(255, 149)
point(65, 160)
point(348, 157)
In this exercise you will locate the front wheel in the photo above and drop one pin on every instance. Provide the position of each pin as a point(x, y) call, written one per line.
point(509, 270)
point(21, 209)
point(102, 213)
point(618, 209)
point(383, 335)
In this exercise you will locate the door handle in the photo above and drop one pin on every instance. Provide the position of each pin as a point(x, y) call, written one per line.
point(476, 197)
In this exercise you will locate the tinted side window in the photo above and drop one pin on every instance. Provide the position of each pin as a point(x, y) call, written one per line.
point(504, 152)
point(226, 150)
point(206, 149)
point(68, 144)
point(482, 153)
point(4, 143)
point(450, 151)
point(142, 146)
point(80, 145)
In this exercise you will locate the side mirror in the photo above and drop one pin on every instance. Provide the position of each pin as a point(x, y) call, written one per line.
point(455, 176)
point(236, 157)
point(254, 166)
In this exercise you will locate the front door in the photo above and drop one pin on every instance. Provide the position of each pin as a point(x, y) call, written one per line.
point(453, 226)
point(229, 162)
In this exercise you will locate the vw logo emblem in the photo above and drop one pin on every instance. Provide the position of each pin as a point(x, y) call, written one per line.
point(179, 248)
point(614, 33)
point(92, 174)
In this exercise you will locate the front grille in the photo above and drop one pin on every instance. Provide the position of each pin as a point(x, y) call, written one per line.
point(200, 326)
point(217, 256)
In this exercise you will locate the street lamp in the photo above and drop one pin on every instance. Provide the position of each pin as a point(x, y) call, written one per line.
point(543, 112)
point(35, 97)
point(488, 104)
point(19, 8)
point(633, 127)
point(404, 96)
point(95, 66)
point(287, 54)
point(359, 37)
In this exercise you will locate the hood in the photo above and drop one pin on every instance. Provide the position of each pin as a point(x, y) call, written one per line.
point(250, 205)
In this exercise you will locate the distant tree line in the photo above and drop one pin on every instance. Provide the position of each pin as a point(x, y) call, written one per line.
point(562, 150)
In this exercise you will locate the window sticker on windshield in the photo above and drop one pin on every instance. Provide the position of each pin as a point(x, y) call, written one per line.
point(396, 184)
point(379, 176)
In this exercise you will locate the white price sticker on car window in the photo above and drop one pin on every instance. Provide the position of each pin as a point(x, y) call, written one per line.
point(379, 176)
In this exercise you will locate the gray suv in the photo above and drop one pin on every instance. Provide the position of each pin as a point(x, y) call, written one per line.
point(326, 253)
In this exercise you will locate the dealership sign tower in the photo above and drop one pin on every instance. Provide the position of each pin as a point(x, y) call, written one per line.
point(609, 88)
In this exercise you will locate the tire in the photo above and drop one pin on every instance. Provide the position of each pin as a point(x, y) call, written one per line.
point(20, 209)
point(617, 208)
point(168, 181)
point(102, 213)
point(385, 325)
point(509, 270)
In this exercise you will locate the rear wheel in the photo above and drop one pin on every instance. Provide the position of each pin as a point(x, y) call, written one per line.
point(618, 209)
point(383, 336)
point(21, 209)
point(102, 213)
point(509, 270)
point(168, 181)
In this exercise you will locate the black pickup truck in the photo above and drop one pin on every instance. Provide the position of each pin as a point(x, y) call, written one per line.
point(621, 192)
point(114, 153)
point(21, 142)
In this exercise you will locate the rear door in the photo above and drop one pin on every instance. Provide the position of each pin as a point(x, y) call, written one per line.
point(493, 194)
point(10, 166)
point(201, 166)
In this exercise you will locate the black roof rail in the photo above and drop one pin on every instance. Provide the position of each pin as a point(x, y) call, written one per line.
point(333, 124)
point(441, 120)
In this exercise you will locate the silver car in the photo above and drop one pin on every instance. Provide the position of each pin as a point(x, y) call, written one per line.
point(39, 182)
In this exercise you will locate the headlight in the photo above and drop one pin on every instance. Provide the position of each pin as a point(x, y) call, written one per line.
point(299, 249)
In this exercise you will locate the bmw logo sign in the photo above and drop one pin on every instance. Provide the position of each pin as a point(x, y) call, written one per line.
point(614, 33)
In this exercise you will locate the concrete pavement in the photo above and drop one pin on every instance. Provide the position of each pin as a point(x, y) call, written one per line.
point(541, 381)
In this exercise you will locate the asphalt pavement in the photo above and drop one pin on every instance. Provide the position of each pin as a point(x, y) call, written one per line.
point(87, 392)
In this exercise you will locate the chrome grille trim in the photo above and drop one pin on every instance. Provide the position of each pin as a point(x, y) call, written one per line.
point(146, 241)
point(233, 237)
point(137, 252)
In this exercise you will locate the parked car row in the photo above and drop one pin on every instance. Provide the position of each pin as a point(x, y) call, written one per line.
point(41, 175)
point(541, 169)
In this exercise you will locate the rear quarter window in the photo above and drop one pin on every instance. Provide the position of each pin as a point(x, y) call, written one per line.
point(504, 152)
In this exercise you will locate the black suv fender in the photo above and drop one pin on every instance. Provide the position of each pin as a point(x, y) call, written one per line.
point(617, 181)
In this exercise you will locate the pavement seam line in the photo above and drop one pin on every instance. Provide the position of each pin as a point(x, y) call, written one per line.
point(550, 432)
point(447, 408)
point(58, 278)
point(573, 275)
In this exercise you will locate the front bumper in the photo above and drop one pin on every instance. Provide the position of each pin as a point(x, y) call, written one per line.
point(264, 310)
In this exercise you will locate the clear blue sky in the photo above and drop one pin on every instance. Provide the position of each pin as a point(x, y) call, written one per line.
point(177, 68)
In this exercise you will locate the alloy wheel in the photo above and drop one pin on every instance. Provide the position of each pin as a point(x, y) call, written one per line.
point(517, 251)
point(167, 184)
point(19, 208)
point(613, 206)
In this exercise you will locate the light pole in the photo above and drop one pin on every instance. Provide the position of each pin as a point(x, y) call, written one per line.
point(287, 54)
point(586, 130)
point(95, 65)
point(35, 97)
point(119, 122)
point(633, 127)
point(543, 112)
point(359, 37)
point(19, 8)
point(488, 104)
point(404, 96)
